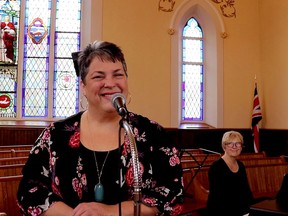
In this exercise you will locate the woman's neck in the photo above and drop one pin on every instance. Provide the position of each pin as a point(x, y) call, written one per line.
point(229, 159)
point(98, 117)
point(231, 162)
point(100, 133)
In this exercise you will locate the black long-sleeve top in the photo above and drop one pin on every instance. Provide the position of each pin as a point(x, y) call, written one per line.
point(230, 193)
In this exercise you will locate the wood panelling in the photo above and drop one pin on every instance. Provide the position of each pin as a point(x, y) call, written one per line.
point(273, 142)
point(19, 135)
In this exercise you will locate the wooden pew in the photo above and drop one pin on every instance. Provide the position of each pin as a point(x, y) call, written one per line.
point(251, 155)
point(195, 164)
point(208, 162)
point(201, 157)
point(190, 151)
point(203, 160)
point(263, 161)
point(8, 191)
point(265, 179)
point(14, 153)
point(15, 147)
point(200, 153)
point(11, 169)
point(189, 154)
point(201, 174)
point(13, 160)
point(195, 195)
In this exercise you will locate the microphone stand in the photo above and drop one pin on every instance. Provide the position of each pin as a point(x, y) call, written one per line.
point(136, 167)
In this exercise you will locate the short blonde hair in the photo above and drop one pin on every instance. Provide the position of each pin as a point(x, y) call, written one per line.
point(231, 135)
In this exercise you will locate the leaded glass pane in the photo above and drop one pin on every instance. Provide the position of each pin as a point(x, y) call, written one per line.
point(192, 29)
point(36, 58)
point(66, 22)
point(192, 92)
point(8, 76)
point(35, 87)
point(67, 40)
point(192, 72)
point(192, 50)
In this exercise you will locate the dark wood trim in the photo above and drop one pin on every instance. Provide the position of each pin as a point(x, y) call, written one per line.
point(273, 141)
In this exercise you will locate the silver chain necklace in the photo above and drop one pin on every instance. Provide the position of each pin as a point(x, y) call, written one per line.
point(99, 188)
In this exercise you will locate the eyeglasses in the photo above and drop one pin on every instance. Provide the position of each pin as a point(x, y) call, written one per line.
point(232, 144)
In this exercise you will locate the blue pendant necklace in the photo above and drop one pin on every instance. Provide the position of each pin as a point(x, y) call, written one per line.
point(99, 188)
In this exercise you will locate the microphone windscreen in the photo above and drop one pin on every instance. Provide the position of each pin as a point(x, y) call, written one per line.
point(118, 100)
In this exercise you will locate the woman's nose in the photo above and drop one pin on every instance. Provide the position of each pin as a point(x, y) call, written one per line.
point(109, 82)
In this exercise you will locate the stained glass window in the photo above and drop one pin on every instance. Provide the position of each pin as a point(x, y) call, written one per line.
point(48, 82)
point(52, 35)
point(192, 72)
point(9, 28)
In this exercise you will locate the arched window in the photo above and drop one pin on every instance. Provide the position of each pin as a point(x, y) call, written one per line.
point(196, 65)
point(192, 72)
point(37, 75)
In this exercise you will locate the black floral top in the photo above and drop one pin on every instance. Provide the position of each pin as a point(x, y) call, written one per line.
point(60, 168)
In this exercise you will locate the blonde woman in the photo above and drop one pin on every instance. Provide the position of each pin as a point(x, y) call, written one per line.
point(230, 192)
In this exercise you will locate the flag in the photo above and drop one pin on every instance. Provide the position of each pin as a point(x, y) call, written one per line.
point(256, 118)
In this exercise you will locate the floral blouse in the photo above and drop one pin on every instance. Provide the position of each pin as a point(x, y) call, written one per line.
point(60, 168)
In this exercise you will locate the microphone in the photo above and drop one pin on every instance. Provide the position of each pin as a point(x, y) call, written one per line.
point(119, 102)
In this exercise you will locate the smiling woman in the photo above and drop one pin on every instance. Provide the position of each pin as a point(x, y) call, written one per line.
point(230, 193)
point(84, 162)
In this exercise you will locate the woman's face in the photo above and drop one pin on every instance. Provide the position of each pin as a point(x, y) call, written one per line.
point(102, 81)
point(233, 147)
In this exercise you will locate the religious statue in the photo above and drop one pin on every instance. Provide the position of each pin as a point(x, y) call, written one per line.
point(8, 35)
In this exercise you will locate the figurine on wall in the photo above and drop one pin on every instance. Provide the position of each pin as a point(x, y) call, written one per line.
point(8, 36)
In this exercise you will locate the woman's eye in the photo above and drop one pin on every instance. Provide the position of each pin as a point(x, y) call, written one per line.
point(119, 75)
point(97, 77)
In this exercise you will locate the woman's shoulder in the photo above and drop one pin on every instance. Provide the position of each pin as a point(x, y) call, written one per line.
point(71, 120)
point(217, 163)
point(240, 164)
point(69, 124)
